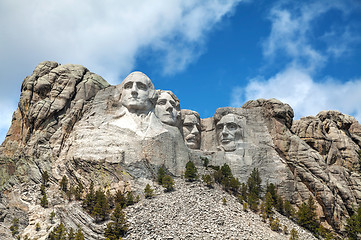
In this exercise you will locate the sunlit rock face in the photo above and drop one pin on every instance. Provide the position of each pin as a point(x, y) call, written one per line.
point(71, 122)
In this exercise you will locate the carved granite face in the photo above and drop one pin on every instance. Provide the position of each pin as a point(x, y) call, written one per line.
point(229, 132)
point(192, 136)
point(137, 92)
point(167, 109)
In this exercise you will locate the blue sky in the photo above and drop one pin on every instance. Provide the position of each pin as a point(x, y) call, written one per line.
point(211, 54)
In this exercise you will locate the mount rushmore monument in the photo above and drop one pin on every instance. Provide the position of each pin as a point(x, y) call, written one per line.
point(71, 122)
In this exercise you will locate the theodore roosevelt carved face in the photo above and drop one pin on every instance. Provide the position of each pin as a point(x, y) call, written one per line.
point(229, 132)
point(191, 129)
point(167, 108)
point(138, 93)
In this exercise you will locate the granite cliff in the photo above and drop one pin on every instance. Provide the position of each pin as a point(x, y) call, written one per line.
point(71, 122)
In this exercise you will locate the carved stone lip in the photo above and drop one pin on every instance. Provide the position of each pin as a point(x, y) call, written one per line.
point(226, 140)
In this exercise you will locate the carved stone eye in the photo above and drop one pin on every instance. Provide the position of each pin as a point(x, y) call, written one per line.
point(128, 85)
point(232, 126)
point(141, 86)
point(161, 102)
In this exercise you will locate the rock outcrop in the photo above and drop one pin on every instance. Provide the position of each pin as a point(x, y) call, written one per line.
point(71, 122)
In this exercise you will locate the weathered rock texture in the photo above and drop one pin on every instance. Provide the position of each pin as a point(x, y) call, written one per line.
point(71, 122)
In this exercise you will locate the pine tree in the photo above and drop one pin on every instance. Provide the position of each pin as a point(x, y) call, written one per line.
point(14, 228)
point(160, 175)
point(45, 178)
point(207, 179)
point(294, 234)
point(191, 172)
point(289, 211)
point(120, 199)
point(118, 226)
point(148, 191)
point(79, 235)
point(226, 171)
point(130, 198)
point(64, 184)
point(243, 192)
point(89, 201)
point(101, 208)
point(254, 184)
point(268, 204)
point(353, 225)
point(234, 184)
point(306, 215)
point(71, 234)
point(37, 227)
point(51, 217)
point(58, 233)
point(168, 183)
point(78, 193)
point(44, 201)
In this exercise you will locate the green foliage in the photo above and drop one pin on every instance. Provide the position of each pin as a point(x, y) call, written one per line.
point(64, 184)
point(118, 226)
point(224, 201)
point(324, 233)
point(289, 211)
point(37, 227)
point(58, 233)
point(293, 234)
point(268, 206)
point(243, 192)
point(51, 217)
point(245, 206)
point(101, 207)
point(168, 183)
point(205, 161)
point(306, 215)
point(120, 199)
point(275, 225)
point(45, 178)
point(79, 235)
point(253, 201)
point(44, 201)
point(14, 228)
point(89, 201)
point(130, 198)
point(191, 172)
point(148, 191)
point(254, 184)
point(226, 171)
point(61, 233)
point(208, 180)
point(234, 184)
point(285, 230)
point(78, 193)
point(353, 225)
point(160, 175)
point(42, 189)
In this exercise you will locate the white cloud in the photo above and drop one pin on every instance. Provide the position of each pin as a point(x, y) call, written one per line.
point(292, 36)
point(305, 95)
point(292, 33)
point(105, 36)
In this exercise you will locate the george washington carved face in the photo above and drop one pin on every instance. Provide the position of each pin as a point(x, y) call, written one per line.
point(137, 93)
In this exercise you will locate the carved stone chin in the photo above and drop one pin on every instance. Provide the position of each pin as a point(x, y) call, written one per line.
point(229, 132)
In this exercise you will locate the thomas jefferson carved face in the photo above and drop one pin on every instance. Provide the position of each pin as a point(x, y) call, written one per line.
point(167, 108)
point(191, 130)
point(137, 93)
point(229, 131)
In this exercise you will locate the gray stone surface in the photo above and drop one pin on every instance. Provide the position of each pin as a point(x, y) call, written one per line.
point(72, 122)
